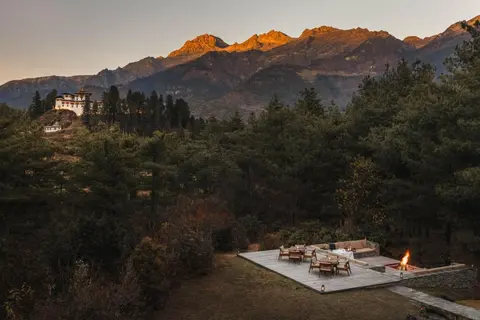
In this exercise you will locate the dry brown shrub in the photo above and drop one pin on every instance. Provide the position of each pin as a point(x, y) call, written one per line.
point(92, 298)
point(271, 241)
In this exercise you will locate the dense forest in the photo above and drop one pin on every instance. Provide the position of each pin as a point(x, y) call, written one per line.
point(104, 224)
point(135, 113)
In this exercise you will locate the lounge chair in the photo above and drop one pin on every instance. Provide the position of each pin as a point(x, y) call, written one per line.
point(283, 252)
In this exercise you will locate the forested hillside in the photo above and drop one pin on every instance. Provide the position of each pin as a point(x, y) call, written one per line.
point(105, 223)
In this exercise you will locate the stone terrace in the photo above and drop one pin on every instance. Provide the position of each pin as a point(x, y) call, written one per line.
point(361, 277)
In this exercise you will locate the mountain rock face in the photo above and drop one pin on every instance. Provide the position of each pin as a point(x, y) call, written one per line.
point(200, 45)
point(323, 42)
point(317, 31)
point(262, 42)
point(418, 42)
point(219, 79)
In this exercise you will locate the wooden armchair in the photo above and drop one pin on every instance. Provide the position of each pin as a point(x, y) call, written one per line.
point(309, 254)
point(314, 264)
point(344, 266)
point(283, 252)
point(295, 255)
point(327, 268)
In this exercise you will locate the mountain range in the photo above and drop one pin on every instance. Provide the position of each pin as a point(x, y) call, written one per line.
point(217, 78)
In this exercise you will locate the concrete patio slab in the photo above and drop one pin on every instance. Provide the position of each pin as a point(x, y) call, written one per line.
point(361, 277)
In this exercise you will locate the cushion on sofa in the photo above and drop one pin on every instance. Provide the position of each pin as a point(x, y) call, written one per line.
point(363, 250)
point(359, 244)
point(340, 245)
point(356, 244)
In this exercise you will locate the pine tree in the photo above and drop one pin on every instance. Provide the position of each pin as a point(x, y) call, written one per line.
point(87, 111)
point(155, 150)
point(49, 102)
point(140, 102)
point(251, 119)
point(275, 103)
point(310, 103)
point(182, 112)
point(170, 112)
point(36, 107)
point(113, 103)
point(236, 122)
point(95, 109)
point(132, 112)
point(105, 104)
point(159, 113)
point(153, 111)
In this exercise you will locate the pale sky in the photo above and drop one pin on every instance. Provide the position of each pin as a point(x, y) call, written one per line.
point(70, 37)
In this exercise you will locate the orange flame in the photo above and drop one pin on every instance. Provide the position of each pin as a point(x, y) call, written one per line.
point(405, 259)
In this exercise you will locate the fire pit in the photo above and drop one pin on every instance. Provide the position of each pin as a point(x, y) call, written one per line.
point(403, 265)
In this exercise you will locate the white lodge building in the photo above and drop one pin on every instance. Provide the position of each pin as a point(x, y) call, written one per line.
point(74, 102)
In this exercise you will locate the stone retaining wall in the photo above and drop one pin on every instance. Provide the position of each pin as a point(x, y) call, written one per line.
point(461, 278)
point(449, 310)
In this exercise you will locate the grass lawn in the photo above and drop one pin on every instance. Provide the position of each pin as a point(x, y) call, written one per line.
point(238, 289)
point(470, 303)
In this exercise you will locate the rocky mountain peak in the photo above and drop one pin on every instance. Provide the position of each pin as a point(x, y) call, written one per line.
point(199, 45)
point(417, 42)
point(263, 42)
point(317, 31)
point(369, 33)
point(274, 36)
point(473, 20)
point(457, 27)
point(412, 39)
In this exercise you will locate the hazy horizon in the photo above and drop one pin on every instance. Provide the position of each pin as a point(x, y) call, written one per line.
point(65, 38)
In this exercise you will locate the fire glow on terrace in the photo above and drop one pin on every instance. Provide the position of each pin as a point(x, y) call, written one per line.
point(403, 265)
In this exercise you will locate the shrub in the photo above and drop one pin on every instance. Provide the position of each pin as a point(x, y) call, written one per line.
point(240, 238)
point(91, 298)
point(195, 251)
point(223, 239)
point(20, 302)
point(155, 267)
point(230, 238)
point(190, 245)
point(271, 241)
point(309, 233)
point(253, 227)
